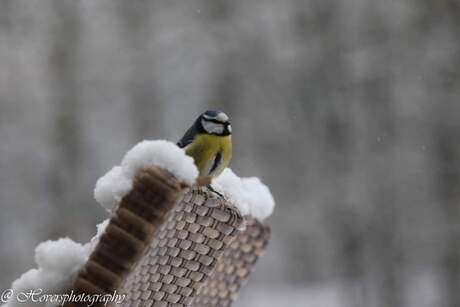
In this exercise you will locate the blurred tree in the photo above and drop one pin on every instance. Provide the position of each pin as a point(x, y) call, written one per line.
point(226, 90)
point(318, 88)
point(65, 190)
point(444, 16)
point(6, 15)
point(218, 12)
point(448, 157)
point(135, 19)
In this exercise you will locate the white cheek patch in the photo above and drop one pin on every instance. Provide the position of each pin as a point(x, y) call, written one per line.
point(211, 127)
point(229, 128)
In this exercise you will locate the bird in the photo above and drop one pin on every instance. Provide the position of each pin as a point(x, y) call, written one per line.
point(209, 142)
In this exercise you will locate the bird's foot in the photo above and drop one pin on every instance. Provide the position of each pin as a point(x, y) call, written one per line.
point(213, 190)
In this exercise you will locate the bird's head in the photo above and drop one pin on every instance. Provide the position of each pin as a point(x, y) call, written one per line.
point(214, 122)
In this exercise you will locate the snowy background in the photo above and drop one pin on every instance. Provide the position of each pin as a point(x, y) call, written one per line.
point(348, 110)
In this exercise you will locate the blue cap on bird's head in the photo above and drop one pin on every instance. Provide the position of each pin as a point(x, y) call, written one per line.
point(215, 122)
point(218, 116)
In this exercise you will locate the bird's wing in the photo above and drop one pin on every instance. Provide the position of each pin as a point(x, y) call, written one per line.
point(217, 161)
point(188, 137)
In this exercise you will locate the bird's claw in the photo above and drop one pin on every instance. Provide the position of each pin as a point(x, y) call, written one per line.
point(214, 191)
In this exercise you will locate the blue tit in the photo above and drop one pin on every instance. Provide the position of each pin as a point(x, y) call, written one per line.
point(209, 142)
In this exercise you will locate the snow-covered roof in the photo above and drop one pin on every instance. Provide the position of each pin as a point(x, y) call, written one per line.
point(249, 195)
point(111, 187)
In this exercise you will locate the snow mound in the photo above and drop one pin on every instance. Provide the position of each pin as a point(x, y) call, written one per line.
point(161, 153)
point(58, 263)
point(114, 185)
point(63, 255)
point(249, 195)
point(111, 188)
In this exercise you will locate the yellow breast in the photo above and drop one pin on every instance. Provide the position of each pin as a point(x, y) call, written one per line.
point(204, 149)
